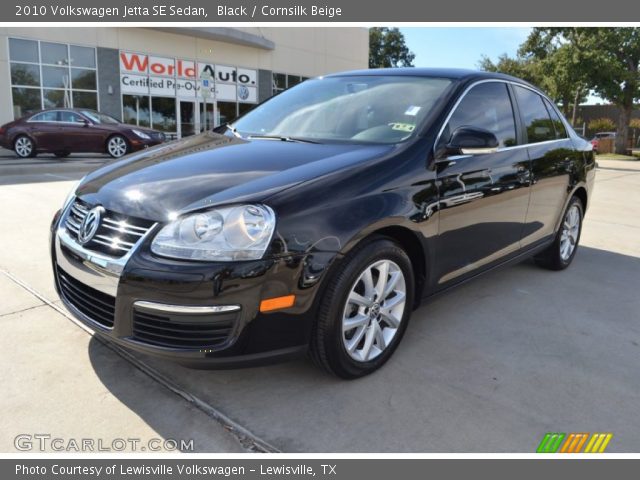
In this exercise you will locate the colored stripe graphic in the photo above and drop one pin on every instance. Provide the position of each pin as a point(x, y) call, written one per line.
point(550, 443)
point(598, 443)
point(574, 442)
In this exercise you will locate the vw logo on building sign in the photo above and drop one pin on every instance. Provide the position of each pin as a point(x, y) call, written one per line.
point(243, 92)
point(90, 224)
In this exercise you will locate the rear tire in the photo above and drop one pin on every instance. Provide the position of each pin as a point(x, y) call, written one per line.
point(362, 318)
point(24, 147)
point(117, 146)
point(561, 252)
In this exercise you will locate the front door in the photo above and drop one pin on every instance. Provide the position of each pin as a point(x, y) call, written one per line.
point(187, 120)
point(483, 198)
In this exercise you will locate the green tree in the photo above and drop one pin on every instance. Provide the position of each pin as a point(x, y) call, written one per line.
point(387, 48)
point(601, 125)
point(611, 56)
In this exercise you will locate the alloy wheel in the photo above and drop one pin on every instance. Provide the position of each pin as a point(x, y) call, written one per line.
point(24, 146)
point(374, 310)
point(117, 147)
point(570, 232)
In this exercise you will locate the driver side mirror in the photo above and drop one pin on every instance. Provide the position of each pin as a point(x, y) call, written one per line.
point(86, 122)
point(467, 140)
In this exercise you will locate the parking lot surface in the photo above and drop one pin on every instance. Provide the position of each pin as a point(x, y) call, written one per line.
point(490, 367)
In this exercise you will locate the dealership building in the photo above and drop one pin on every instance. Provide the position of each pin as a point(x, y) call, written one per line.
point(177, 80)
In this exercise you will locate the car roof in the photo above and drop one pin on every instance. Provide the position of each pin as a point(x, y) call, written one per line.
point(458, 74)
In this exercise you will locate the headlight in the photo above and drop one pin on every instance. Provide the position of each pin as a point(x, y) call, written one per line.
point(241, 232)
point(141, 134)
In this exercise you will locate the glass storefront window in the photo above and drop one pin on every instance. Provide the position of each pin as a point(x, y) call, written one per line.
point(85, 100)
point(25, 74)
point(54, 53)
point(83, 56)
point(23, 50)
point(226, 112)
point(55, 77)
point(45, 66)
point(25, 101)
point(293, 80)
point(244, 108)
point(163, 113)
point(135, 110)
point(83, 79)
point(54, 99)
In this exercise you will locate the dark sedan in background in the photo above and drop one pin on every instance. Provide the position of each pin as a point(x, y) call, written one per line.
point(319, 220)
point(64, 131)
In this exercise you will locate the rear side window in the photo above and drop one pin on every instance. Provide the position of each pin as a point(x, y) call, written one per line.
point(487, 106)
point(45, 117)
point(537, 121)
point(561, 131)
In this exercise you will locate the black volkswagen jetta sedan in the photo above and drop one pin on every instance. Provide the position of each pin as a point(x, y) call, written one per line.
point(318, 221)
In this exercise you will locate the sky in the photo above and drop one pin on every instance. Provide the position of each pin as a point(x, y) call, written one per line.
point(462, 47)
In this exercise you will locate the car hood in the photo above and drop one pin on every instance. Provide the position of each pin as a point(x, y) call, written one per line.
point(213, 169)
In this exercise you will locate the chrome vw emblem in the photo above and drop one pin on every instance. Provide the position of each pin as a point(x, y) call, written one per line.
point(89, 225)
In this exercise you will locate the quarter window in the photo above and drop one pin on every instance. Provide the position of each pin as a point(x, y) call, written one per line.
point(537, 122)
point(487, 106)
point(561, 131)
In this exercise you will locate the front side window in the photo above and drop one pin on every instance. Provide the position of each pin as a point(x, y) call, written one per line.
point(97, 117)
point(486, 106)
point(537, 121)
point(71, 117)
point(351, 109)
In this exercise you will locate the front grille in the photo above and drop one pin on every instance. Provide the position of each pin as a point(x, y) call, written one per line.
point(162, 331)
point(96, 305)
point(115, 236)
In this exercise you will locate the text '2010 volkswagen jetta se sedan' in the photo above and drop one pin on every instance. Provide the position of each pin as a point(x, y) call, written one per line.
point(319, 220)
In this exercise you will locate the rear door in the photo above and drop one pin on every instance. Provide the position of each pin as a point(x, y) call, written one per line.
point(553, 157)
point(44, 129)
point(482, 198)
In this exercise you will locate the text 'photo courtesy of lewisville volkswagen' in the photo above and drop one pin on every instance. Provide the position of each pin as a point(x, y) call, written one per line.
point(319, 220)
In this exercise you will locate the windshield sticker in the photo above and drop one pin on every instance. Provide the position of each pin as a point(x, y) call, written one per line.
point(404, 127)
point(412, 110)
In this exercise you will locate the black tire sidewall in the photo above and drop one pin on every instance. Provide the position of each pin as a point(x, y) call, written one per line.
point(341, 362)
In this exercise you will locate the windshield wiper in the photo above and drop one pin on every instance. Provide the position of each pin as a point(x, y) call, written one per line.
point(281, 138)
point(233, 129)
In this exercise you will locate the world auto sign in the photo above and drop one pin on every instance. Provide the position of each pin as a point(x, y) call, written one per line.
point(142, 74)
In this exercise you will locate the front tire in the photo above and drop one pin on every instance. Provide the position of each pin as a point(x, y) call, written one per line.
point(364, 310)
point(117, 146)
point(24, 147)
point(561, 252)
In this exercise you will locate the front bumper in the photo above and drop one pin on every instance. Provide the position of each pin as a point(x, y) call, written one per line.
point(138, 144)
point(162, 306)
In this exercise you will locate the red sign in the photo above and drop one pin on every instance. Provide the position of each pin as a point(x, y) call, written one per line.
point(136, 63)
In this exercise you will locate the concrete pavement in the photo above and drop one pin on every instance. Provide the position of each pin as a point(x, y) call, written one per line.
point(490, 367)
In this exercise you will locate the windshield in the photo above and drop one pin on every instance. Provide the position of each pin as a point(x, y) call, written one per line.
point(378, 109)
point(98, 117)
